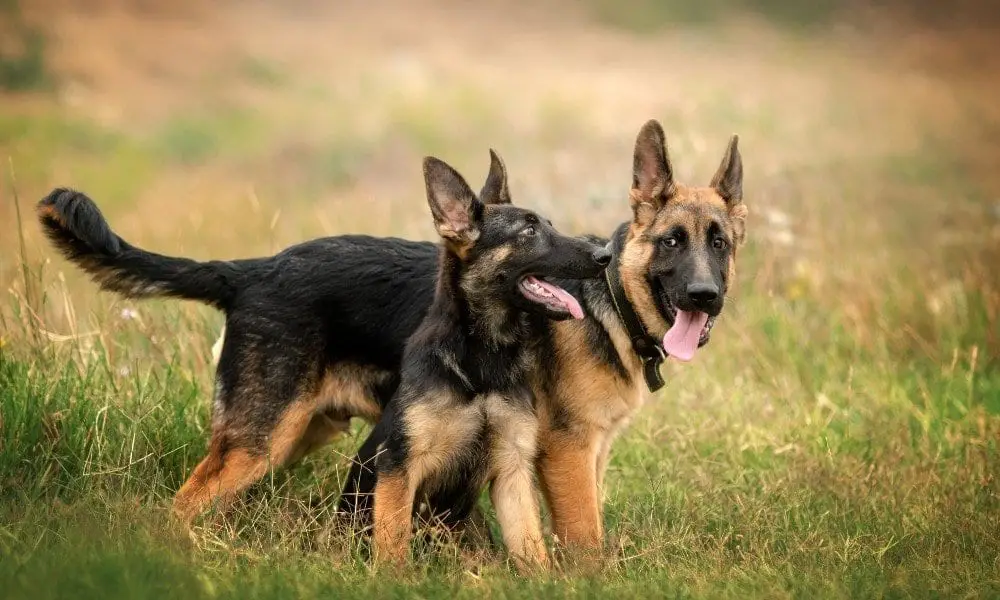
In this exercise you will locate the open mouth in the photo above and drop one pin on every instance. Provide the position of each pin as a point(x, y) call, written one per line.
point(689, 330)
point(550, 296)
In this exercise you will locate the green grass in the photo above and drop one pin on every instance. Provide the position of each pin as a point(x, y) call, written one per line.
point(196, 139)
point(96, 156)
point(26, 71)
point(23, 65)
point(262, 72)
point(795, 461)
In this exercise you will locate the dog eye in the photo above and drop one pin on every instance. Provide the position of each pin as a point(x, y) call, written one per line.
point(719, 243)
point(670, 242)
point(528, 231)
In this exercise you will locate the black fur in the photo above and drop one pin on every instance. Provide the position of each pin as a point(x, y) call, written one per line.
point(359, 297)
point(76, 226)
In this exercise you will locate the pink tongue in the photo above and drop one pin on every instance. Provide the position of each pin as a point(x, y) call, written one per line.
point(681, 341)
point(564, 297)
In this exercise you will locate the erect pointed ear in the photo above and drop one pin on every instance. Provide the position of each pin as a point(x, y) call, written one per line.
point(728, 180)
point(728, 183)
point(652, 175)
point(495, 190)
point(456, 210)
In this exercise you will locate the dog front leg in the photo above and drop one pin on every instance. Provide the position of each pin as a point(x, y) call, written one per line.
point(513, 497)
point(567, 467)
point(393, 524)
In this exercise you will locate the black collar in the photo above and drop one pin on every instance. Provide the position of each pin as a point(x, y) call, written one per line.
point(645, 346)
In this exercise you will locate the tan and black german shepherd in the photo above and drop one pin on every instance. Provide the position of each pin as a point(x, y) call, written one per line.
point(315, 334)
point(464, 413)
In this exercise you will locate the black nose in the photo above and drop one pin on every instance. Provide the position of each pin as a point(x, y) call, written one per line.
point(703, 293)
point(602, 257)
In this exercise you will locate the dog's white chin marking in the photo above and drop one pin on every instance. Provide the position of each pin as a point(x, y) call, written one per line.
point(217, 347)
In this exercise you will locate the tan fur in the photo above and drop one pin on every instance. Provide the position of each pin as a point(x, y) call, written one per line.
point(738, 217)
point(500, 254)
point(306, 425)
point(598, 404)
point(635, 257)
point(438, 431)
point(343, 391)
point(512, 490)
point(322, 428)
point(394, 497)
point(569, 482)
point(48, 211)
point(584, 377)
point(226, 470)
point(459, 248)
point(441, 429)
point(485, 268)
point(346, 388)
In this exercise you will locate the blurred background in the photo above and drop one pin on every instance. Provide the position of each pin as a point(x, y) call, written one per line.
point(866, 321)
point(870, 130)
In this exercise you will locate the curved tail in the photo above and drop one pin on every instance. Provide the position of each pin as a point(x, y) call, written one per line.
point(77, 228)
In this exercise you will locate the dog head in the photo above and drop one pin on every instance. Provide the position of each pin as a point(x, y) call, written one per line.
point(679, 256)
point(506, 256)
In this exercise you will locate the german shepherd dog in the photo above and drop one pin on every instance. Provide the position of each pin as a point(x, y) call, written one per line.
point(314, 334)
point(463, 414)
point(672, 265)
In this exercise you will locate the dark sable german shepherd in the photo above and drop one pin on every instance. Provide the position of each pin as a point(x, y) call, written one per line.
point(463, 415)
point(314, 335)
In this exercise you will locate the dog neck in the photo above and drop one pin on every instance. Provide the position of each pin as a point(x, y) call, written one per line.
point(645, 346)
point(493, 324)
point(479, 355)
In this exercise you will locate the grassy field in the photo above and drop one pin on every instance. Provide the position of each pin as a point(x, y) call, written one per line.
point(840, 436)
